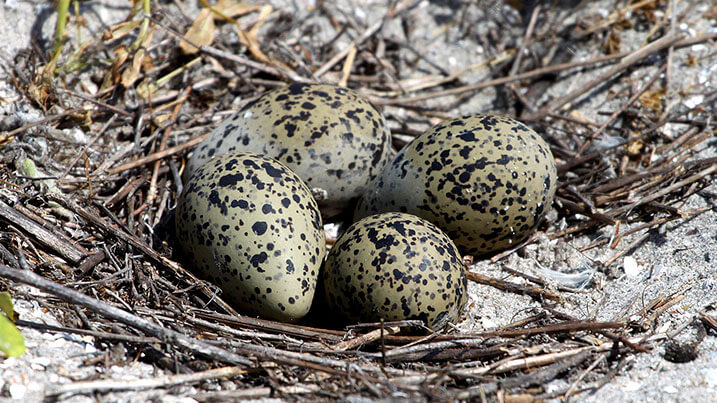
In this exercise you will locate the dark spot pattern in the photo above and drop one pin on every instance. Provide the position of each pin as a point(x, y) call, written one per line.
point(485, 180)
point(250, 225)
point(395, 266)
point(332, 137)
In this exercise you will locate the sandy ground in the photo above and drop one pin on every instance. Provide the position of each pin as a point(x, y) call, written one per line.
point(681, 258)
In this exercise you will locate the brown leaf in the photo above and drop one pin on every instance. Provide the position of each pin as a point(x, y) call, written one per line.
point(120, 30)
point(233, 8)
point(200, 33)
point(131, 73)
point(112, 76)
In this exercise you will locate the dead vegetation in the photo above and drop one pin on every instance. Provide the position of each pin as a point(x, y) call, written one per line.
point(86, 194)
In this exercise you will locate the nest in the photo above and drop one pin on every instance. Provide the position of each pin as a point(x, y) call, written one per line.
point(86, 193)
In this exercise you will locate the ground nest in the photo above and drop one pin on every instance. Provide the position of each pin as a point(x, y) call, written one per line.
point(87, 191)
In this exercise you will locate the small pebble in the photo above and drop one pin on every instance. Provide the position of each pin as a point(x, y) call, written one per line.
point(632, 269)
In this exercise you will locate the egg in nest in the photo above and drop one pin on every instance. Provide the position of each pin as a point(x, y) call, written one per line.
point(395, 266)
point(331, 136)
point(485, 180)
point(250, 225)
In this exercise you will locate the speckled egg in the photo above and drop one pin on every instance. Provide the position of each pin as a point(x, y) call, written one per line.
point(332, 137)
point(395, 266)
point(485, 180)
point(250, 225)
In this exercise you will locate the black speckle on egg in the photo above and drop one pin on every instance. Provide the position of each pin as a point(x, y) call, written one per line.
point(391, 266)
point(332, 137)
point(239, 213)
point(486, 180)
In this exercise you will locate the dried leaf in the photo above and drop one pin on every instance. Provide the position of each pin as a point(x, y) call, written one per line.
point(250, 42)
point(612, 44)
point(263, 15)
point(141, 61)
point(120, 30)
point(233, 8)
point(634, 148)
point(654, 100)
point(200, 33)
point(112, 76)
point(132, 72)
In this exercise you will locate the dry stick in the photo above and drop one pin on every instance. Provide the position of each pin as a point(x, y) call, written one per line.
point(137, 384)
point(583, 374)
point(524, 363)
point(694, 178)
point(96, 102)
point(526, 39)
point(104, 309)
point(708, 320)
point(163, 146)
point(653, 223)
point(158, 155)
point(370, 31)
point(660, 310)
point(94, 333)
point(508, 252)
point(533, 73)
point(540, 281)
point(258, 393)
point(628, 61)
point(588, 157)
point(622, 108)
point(543, 375)
point(348, 64)
point(628, 248)
point(305, 332)
point(579, 209)
point(42, 121)
point(63, 247)
point(612, 336)
point(229, 56)
point(503, 80)
point(514, 288)
point(365, 338)
point(519, 58)
point(87, 146)
point(464, 342)
point(144, 248)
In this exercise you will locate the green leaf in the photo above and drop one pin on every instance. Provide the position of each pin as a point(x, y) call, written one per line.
point(12, 344)
point(6, 306)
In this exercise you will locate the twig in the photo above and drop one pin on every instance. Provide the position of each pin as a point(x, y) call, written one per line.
point(144, 248)
point(40, 232)
point(147, 383)
point(622, 108)
point(42, 122)
point(669, 189)
point(94, 333)
point(87, 146)
point(258, 393)
point(369, 337)
point(582, 375)
point(96, 102)
point(163, 146)
point(158, 155)
point(109, 311)
point(628, 61)
point(514, 288)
